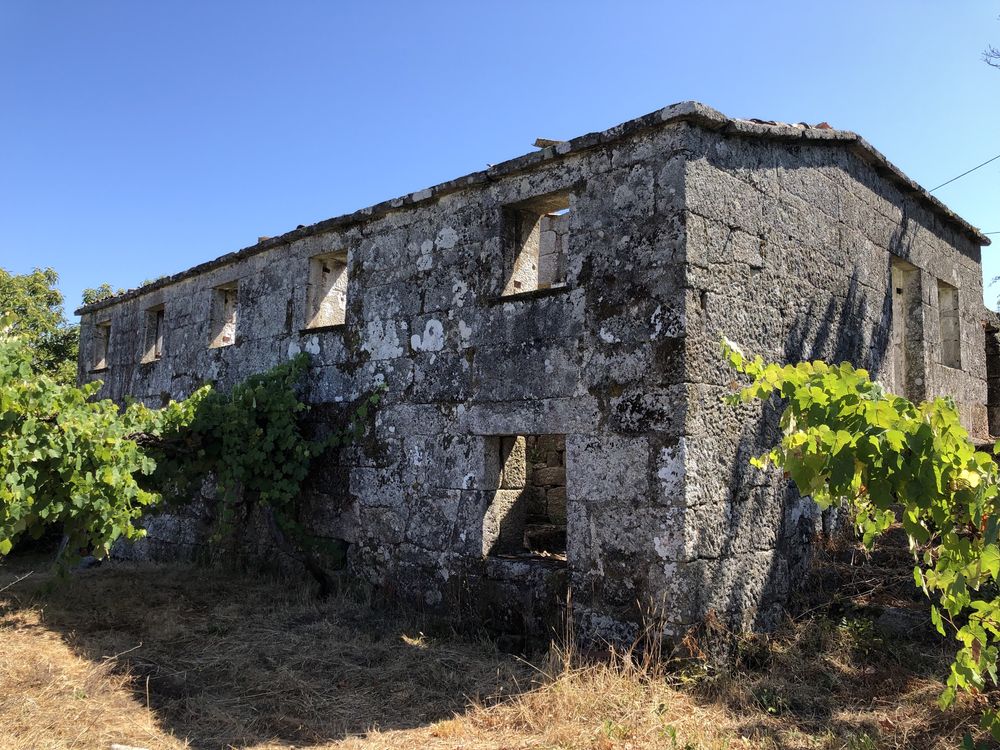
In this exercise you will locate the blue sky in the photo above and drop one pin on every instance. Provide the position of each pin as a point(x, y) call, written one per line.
point(140, 138)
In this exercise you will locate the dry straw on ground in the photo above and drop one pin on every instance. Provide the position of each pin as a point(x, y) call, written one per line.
point(173, 657)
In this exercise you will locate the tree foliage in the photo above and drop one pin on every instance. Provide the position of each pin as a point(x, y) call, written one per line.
point(991, 56)
point(35, 312)
point(93, 469)
point(847, 442)
point(66, 459)
point(106, 291)
point(102, 292)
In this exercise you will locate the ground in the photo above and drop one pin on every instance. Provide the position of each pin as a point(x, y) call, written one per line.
point(166, 657)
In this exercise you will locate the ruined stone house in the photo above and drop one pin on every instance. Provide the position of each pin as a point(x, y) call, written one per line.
point(548, 333)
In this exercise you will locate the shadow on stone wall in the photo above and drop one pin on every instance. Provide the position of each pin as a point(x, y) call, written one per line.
point(840, 337)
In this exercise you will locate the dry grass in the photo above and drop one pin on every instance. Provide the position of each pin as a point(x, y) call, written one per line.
point(53, 698)
point(172, 657)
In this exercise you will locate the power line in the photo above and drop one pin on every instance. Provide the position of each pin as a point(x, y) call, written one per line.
point(964, 173)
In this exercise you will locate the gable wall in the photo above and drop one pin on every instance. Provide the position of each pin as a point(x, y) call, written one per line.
point(790, 249)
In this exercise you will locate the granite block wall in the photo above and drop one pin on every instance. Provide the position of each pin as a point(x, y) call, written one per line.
point(572, 364)
point(798, 251)
point(547, 332)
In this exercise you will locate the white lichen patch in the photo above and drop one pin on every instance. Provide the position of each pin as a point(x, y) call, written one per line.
point(670, 469)
point(607, 337)
point(661, 546)
point(666, 324)
point(432, 339)
point(464, 333)
point(446, 238)
point(381, 340)
point(459, 290)
point(425, 260)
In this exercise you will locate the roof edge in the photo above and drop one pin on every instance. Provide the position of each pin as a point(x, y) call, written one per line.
point(687, 111)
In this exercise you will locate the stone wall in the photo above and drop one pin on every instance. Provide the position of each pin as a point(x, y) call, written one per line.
point(548, 335)
point(591, 359)
point(791, 249)
point(546, 481)
point(552, 246)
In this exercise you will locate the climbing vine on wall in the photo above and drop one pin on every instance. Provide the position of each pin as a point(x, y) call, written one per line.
point(249, 443)
point(847, 442)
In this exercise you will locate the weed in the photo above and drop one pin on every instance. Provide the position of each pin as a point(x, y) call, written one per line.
point(861, 741)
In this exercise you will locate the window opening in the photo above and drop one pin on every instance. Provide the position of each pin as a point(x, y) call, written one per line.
point(327, 294)
point(224, 315)
point(154, 334)
point(951, 340)
point(528, 512)
point(537, 234)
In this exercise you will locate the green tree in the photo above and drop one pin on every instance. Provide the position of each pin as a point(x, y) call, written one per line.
point(96, 294)
point(847, 442)
point(93, 469)
point(34, 308)
point(67, 460)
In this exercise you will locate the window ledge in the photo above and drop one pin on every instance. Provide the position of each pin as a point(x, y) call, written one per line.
point(552, 291)
point(98, 370)
point(322, 329)
point(533, 558)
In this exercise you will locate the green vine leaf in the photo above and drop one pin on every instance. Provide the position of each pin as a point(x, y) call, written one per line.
point(849, 443)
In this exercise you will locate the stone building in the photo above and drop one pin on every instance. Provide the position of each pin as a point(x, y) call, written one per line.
point(548, 333)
